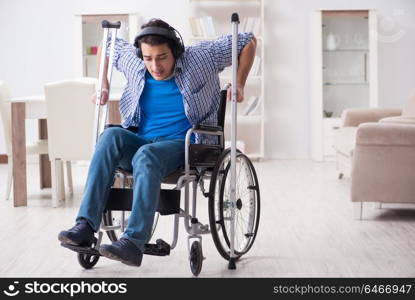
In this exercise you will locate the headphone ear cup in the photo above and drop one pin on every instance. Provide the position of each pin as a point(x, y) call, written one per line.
point(176, 52)
point(179, 49)
point(137, 46)
point(139, 53)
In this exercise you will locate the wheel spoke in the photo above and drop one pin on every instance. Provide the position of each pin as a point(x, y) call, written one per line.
point(245, 193)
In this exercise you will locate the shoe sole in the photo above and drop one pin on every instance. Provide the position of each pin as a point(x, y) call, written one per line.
point(65, 240)
point(110, 255)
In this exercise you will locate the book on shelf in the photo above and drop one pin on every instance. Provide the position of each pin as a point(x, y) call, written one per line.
point(202, 26)
point(256, 66)
point(255, 70)
point(251, 24)
point(208, 24)
point(242, 25)
point(252, 105)
point(257, 26)
point(194, 25)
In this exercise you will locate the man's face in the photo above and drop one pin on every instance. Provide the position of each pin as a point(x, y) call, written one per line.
point(158, 59)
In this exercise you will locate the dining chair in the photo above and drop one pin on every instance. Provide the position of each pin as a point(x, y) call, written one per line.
point(36, 148)
point(70, 119)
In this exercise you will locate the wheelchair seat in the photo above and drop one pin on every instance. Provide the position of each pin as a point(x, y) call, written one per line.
point(169, 179)
point(173, 177)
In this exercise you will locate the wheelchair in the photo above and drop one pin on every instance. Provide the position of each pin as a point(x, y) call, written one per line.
point(203, 164)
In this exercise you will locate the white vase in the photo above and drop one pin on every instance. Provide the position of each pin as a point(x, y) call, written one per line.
point(332, 41)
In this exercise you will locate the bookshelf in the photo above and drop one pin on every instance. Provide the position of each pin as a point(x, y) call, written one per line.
point(343, 72)
point(210, 19)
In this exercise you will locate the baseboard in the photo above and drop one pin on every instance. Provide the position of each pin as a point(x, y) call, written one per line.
point(3, 158)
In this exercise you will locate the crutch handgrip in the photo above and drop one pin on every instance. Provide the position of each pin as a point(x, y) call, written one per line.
point(108, 24)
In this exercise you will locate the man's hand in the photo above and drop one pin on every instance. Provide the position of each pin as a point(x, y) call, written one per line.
point(104, 97)
point(239, 94)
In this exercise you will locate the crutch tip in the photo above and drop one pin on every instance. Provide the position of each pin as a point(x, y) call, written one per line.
point(232, 264)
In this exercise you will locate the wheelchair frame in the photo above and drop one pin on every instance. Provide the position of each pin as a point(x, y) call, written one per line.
point(197, 168)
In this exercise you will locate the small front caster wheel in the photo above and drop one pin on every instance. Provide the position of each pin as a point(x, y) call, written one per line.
point(196, 258)
point(87, 261)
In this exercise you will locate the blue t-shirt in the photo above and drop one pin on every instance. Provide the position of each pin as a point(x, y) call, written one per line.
point(162, 110)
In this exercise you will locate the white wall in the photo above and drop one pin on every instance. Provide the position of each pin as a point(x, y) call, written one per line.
point(37, 47)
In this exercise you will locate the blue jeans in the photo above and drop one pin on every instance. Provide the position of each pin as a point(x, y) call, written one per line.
point(149, 160)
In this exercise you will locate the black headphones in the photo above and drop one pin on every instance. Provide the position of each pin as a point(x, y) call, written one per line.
point(178, 47)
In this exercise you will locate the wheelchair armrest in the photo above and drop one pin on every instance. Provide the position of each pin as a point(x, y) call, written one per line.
point(112, 125)
point(200, 154)
point(131, 128)
point(208, 128)
point(226, 87)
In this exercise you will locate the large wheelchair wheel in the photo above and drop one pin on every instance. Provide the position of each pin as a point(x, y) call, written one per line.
point(115, 218)
point(247, 210)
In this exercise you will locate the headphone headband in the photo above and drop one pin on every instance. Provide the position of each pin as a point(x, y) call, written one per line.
point(160, 31)
point(163, 32)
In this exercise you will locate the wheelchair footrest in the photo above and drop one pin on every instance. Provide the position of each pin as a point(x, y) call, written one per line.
point(160, 248)
point(81, 250)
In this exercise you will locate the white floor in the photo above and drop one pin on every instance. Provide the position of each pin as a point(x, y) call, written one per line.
point(306, 230)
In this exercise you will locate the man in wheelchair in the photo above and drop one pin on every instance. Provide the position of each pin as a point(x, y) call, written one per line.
point(169, 89)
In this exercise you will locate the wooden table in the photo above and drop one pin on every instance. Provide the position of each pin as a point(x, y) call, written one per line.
point(34, 107)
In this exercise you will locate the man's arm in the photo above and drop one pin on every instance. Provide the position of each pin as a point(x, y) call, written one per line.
point(246, 59)
point(105, 84)
point(122, 53)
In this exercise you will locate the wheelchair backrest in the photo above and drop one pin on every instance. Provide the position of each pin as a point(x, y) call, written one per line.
point(222, 110)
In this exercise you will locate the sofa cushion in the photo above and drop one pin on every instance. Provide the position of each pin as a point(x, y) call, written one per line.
point(345, 140)
point(387, 134)
point(352, 117)
point(400, 120)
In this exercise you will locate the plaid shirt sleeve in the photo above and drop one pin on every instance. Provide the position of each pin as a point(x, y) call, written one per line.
point(123, 53)
point(221, 49)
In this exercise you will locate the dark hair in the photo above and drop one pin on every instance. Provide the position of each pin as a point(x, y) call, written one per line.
point(155, 40)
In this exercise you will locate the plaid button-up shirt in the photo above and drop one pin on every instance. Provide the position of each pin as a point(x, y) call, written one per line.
point(196, 74)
